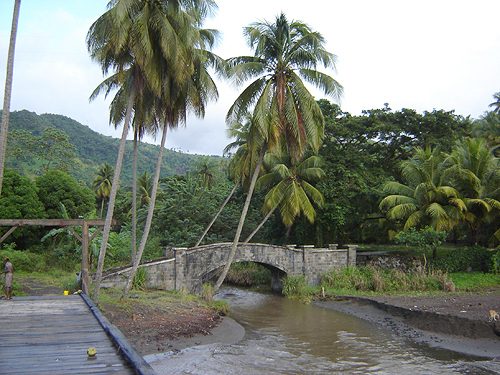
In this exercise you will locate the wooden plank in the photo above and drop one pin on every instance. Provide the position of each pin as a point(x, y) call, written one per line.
point(50, 335)
point(8, 233)
point(51, 222)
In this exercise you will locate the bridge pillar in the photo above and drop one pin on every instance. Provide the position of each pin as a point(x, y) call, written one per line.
point(319, 261)
point(351, 255)
point(180, 269)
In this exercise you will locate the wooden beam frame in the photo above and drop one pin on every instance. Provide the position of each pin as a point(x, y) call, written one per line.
point(85, 239)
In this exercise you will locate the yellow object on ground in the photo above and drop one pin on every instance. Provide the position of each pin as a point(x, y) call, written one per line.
point(91, 352)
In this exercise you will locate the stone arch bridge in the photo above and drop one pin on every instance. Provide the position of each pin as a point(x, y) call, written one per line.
point(188, 268)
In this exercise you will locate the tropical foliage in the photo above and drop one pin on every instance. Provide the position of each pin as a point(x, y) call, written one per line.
point(424, 199)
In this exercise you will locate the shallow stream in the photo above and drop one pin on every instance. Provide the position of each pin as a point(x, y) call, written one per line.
point(287, 337)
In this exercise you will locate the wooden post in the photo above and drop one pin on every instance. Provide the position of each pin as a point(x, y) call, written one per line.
point(85, 258)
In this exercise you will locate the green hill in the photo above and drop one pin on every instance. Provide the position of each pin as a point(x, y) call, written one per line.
point(92, 149)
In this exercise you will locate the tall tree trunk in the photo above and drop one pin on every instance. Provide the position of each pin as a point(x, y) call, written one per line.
point(234, 246)
point(287, 234)
point(260, 225)
point(102, 206)
point(112, 198)
point(134, 199)
point(8, 90)
point(216, 215)
point(149, 218)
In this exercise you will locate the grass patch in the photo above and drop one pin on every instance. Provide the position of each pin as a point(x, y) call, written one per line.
point(375, 280)
point(173, 302)
point(474, 281)
point(295, 287)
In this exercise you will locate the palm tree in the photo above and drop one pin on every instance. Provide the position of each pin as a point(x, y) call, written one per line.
point(145, 184)
point(240, 166)
point(178, 96)
point(496, 103)
point(142, 123)
point(291, 189)
point(488, 128)
point(285, 112)
point(133, 38)
point(8, 89)
point(475, 173)
point(102, 184)
point(205, 171)
point(424, 199)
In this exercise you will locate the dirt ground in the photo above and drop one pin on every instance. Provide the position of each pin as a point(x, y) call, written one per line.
point(154, 328)
point(472, 306)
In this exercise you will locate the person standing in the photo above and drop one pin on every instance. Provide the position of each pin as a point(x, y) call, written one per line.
point(8, 270)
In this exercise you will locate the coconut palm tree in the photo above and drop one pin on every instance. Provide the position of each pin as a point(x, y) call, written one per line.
point(145, 184)
point(290, 188)
point(488, 128)
point(8, 89)
point(102, 184)
point(424, 200)
point(240, 166)
point(135, 39)
point(178, 97)
point(285, 113)
point(475, 173)
point(496, 104)
point(142, 122)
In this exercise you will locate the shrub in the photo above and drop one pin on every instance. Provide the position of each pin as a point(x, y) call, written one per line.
point(207, 292)
point(495, 262)
point(357, 278)
point(140, 278)
point(222, 307)
point(426, 239)
point(248, 274)
point(24, 260)
point(475, 258)
point(296, 287)
point(371, 279)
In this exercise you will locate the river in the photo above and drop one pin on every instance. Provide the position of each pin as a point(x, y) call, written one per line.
point(287, 337)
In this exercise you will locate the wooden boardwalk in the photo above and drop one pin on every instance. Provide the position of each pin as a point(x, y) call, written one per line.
point(50, 335)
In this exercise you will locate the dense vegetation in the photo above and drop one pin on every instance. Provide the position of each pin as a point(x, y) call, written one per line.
point(360, 153)
point(38, 142)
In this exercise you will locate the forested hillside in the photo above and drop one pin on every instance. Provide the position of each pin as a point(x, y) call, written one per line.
point(37, 142)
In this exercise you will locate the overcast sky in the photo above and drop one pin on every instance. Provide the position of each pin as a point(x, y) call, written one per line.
point(422, 54)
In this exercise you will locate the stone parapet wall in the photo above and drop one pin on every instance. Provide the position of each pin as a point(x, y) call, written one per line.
point(190, 266)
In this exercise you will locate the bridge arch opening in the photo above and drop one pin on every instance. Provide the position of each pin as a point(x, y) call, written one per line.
point(274, 273)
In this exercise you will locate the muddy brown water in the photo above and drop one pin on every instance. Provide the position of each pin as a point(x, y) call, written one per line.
point(287, 337)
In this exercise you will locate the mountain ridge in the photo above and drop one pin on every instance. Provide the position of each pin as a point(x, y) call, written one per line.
point(94, 149)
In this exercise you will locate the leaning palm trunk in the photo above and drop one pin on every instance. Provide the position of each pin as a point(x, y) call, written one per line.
point(8, 90)
point(102, 207)
point(216, 215)
point(260, 225)
point(149, 218)
point(112, 197)
point(251, 189)
point(134, 200)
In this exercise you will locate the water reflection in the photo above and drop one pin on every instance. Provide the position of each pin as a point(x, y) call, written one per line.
point(286, 337)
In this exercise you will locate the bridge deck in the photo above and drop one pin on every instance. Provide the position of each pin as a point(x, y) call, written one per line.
point(50, 335)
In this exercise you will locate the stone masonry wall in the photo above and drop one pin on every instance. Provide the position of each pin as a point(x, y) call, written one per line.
point(188, 267)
